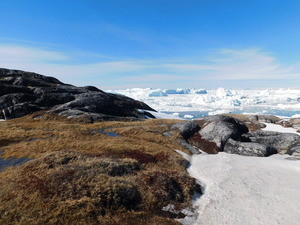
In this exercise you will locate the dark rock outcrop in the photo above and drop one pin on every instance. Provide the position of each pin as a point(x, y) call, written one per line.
point(248, 148)
point(224, 133)
point(186, 129)
point(255, 122)
point(188, 146)
point(213, 134)
point(22, 93)
point(216, 130)
point(277, 140)
point(294, 150)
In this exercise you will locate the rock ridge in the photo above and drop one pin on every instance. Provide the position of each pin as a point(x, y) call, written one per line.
point(22, 93)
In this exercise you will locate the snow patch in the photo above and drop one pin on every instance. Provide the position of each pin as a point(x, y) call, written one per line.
point(279, 128)
point(244, 190)
point(160, 115)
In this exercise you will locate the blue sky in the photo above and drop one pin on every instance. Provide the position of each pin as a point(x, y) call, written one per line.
point(119, 44)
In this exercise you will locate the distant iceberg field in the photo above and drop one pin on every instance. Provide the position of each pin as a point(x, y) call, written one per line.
point(192, 103)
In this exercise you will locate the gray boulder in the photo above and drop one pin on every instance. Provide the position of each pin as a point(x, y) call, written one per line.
point(248, 148)
point(219, 132)
point(203, 121)
point(218, 129)
point(188, 146)
point(294, 150)
point(186, 129)
point(277, 140)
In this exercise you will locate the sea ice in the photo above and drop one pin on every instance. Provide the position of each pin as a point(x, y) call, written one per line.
point(280, 102)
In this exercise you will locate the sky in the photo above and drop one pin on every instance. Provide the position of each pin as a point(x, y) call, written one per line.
point(120, 44)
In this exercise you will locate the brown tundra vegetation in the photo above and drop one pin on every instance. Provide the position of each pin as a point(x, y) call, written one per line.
point(109, 172)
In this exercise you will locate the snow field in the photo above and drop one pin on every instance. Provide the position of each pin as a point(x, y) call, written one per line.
point(242, 190)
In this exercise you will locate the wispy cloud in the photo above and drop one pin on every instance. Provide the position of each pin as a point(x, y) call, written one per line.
point(29, 42)
point(224, 64)
point(62, 65)
point(232, 64)
point(20, 54)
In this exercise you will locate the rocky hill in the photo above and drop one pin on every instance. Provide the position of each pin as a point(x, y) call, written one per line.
point(22, 93)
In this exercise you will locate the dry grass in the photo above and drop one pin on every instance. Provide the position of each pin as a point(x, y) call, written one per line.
point(81, 175)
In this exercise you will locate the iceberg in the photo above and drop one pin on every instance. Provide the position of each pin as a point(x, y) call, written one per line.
point(178, 91)
point(157, 93)
point(200, 91)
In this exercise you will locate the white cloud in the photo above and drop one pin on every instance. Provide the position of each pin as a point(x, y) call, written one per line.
point(230, 64)
point(226, 64)
point(61, 65)
point(20, 54)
